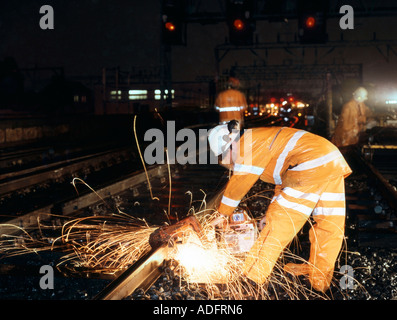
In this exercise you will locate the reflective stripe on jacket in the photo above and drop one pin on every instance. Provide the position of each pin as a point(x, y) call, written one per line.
point(284, 157)
point(231, 105)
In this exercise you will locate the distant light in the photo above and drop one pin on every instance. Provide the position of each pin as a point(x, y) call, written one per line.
point(170, 26)
point(310, 22)
point(157, 94)
point(391, 101)
point(137, 94)
point(299, 114)
point(238, 24)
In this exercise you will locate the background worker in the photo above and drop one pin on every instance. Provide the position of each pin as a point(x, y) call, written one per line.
point(352, 121)
point(231, 103)
point(309, 173)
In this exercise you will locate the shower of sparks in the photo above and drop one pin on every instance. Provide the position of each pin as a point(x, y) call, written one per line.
point(106, 246)
point(109, 244)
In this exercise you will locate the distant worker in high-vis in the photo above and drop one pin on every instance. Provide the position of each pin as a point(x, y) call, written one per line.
point(231, 103)
point(308, 172)
point(352, 121)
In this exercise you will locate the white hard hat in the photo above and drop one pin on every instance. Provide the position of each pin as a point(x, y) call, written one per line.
point(360, 94)
point(220, 139)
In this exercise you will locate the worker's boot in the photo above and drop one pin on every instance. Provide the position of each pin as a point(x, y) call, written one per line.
point(319, 280)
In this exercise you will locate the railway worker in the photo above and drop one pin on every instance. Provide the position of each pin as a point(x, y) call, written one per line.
point(308, 172)
point(231, 103)
point(352, 121)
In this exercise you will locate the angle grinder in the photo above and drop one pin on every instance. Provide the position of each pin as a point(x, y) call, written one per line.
point(240, 235)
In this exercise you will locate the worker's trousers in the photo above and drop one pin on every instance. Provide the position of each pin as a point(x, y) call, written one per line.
point(286, 215)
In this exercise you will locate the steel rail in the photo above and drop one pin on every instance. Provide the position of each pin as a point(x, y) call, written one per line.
point(142, 274)
point(29, 177)
point(70, 206)
point(145, 272)
point(388, 191)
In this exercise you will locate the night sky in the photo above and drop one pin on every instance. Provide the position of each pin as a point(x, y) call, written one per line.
point(92, 34)
point(87, 35)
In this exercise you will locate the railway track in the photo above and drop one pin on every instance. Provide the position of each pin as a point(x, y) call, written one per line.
point(13, 181)
point(132, 193)
point(367, 227)
point(371, 221)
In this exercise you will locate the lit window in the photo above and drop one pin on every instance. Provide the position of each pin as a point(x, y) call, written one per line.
point(157, 94)
point(115, 95)
point(76, 98)
point(137, 94)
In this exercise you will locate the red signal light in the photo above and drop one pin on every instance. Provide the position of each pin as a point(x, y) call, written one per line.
point(238, 24)
point(170, 26)
point(310, 22)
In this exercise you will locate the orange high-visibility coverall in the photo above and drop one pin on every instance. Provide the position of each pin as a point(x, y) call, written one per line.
point(351, 123)
point(309, 173)
point(231, 105)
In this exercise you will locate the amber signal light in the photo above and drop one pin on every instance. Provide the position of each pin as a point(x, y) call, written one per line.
point(310, 22)
point(170, 26)
point(238, 24)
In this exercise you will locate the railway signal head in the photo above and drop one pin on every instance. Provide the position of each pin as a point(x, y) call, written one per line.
point(173, 30)
point(240, 22)
point(312, 21)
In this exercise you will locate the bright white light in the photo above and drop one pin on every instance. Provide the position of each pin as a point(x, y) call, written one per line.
point(204, 265)
point(137, 94)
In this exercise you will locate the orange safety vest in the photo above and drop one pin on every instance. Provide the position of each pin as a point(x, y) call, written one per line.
point(231, 105)
point(351, 123)
point(284, 157)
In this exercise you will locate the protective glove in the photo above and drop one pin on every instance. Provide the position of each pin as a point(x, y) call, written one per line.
point(262, 223)
point(221, 221)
